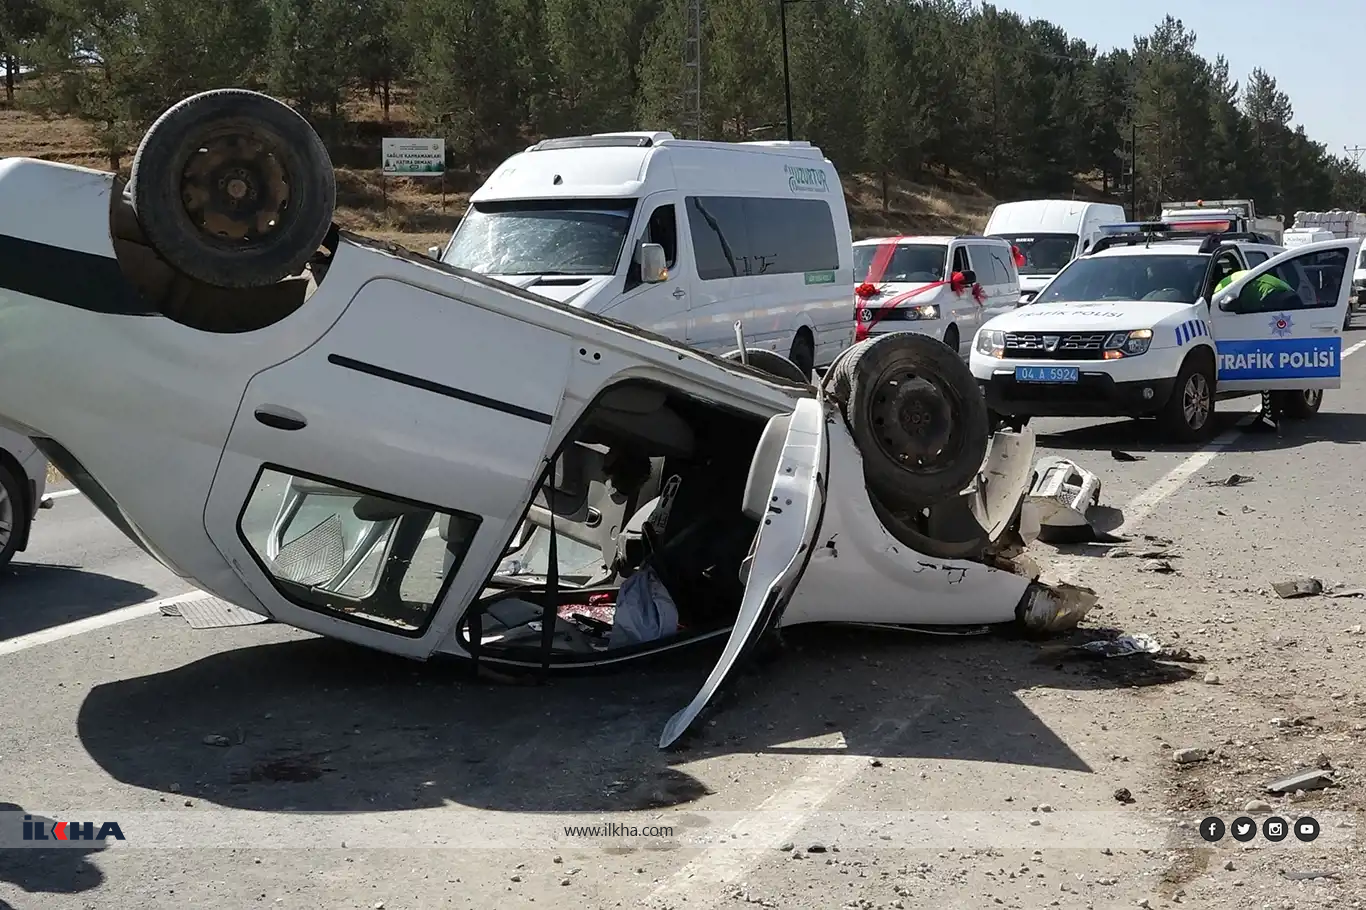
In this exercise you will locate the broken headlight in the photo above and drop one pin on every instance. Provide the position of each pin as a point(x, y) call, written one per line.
point(991, 343)
point(1128, 344)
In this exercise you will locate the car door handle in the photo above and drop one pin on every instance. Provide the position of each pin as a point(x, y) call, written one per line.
point(278, 418)
point(679, 292)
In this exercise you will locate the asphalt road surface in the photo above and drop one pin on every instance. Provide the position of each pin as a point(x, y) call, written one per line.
point(263, 766)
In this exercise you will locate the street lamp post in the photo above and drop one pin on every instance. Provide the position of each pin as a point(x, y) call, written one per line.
point(787, 79)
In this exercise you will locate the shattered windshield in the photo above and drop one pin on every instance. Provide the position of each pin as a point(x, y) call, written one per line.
point(1175, 279)
point(542, 237)
point(910, 262)
point(1045, 254)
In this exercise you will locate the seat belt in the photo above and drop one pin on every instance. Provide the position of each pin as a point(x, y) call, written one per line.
point(551, 611)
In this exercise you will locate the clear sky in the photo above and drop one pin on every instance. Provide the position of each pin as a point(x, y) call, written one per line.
point(1310, 47)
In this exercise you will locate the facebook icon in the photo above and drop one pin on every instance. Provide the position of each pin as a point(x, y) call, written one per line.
point(1212, 829)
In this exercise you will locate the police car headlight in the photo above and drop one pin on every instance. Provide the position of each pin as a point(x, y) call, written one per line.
point(991, 343)
point(922, 312)
point(1127, 344)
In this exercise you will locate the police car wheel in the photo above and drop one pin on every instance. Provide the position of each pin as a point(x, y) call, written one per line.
point(1300, 405)
point(233, 188)
point(917, 415)
point(1189, 413)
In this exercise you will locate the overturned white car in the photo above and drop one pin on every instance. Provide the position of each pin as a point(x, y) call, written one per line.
point(373, 446)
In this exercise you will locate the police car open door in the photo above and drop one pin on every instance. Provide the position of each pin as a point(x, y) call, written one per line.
point(1280, 325)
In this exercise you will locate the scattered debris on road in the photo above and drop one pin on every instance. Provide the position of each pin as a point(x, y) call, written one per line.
point(1310, 876)
point(1117, 455)
point(1317, 779)
point(1124, 796)
point(1122, 646)
point(1232, 480)
point(1062, 496)
point(1159, 566)
point(216, 739)
point(1190, 756)
point(1257, 805)
point(1298, 587)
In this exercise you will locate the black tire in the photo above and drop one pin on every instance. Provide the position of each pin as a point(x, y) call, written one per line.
point(803, 354)
point(952, 340)
point(773, 363)
point(1183, 423)
point(902, 526)
point(14, 511)
point(251, 208)
point(917, 415)
point(1300, 405)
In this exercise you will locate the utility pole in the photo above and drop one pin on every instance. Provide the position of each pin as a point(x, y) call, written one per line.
point(1356, 152)
point(692, 68)
point(787, 79)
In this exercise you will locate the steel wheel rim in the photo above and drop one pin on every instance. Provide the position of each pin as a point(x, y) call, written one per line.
point(6, 518)
point(933, 439)
point(1195, 401)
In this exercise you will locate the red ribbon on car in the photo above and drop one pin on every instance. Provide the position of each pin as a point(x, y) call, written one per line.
point(870, 289)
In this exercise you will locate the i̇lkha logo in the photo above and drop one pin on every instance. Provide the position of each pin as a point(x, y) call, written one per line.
point(69, 831)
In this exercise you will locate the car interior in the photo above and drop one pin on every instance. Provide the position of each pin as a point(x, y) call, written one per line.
point(649, 479)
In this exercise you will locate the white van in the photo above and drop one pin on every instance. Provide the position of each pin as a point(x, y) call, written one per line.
point(906, 284)
point(1050, 233)
point(1303, 236)
point(680, 237)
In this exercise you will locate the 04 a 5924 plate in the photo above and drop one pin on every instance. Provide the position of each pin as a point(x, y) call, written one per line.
point(1046, 374)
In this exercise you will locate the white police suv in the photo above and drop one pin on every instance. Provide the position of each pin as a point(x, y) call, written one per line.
point(1136, 328)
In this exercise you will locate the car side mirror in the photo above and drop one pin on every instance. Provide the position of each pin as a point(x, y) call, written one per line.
point(969, 276)
point(654, 268)
point(434, 252)
point(1227, 302)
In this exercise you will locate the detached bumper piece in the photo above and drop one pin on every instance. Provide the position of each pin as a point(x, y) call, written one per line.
point(1094, 394)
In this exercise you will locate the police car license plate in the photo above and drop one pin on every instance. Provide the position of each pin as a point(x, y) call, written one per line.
point(1046, 374)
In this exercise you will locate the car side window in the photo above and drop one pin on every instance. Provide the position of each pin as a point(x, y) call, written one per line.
point(1308, 281)
point(960, 259)
point(1225, 264)
point(1255, 257)
point(661, 228)
point(1001, 266)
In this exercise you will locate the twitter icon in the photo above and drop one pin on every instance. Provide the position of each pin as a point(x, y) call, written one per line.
point(1243, 829)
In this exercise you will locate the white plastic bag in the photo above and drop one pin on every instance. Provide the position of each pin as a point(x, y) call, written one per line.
point(645, 611)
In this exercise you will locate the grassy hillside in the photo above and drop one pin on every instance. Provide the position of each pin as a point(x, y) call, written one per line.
point(413, 214)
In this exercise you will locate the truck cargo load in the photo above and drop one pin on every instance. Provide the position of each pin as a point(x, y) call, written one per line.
point(1242, 212)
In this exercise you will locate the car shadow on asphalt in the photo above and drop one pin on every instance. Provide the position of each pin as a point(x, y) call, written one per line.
point(316, 725)
point(1129, 436)
point(41, 596)
point(46, 870)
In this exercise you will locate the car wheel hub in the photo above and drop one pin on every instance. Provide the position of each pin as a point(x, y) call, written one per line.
point(235, 187)
point(913, 419)
point(1195, 402)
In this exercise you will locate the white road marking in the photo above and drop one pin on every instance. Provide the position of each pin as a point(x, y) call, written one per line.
point(112, 618)
point(776, 819)
point(93, 623)
point(1353, 349)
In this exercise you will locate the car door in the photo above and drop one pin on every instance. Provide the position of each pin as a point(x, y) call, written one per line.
point(1290, 338)
point(660, 307)
point(406, 436)
point(965, 310)
point(782, 548)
